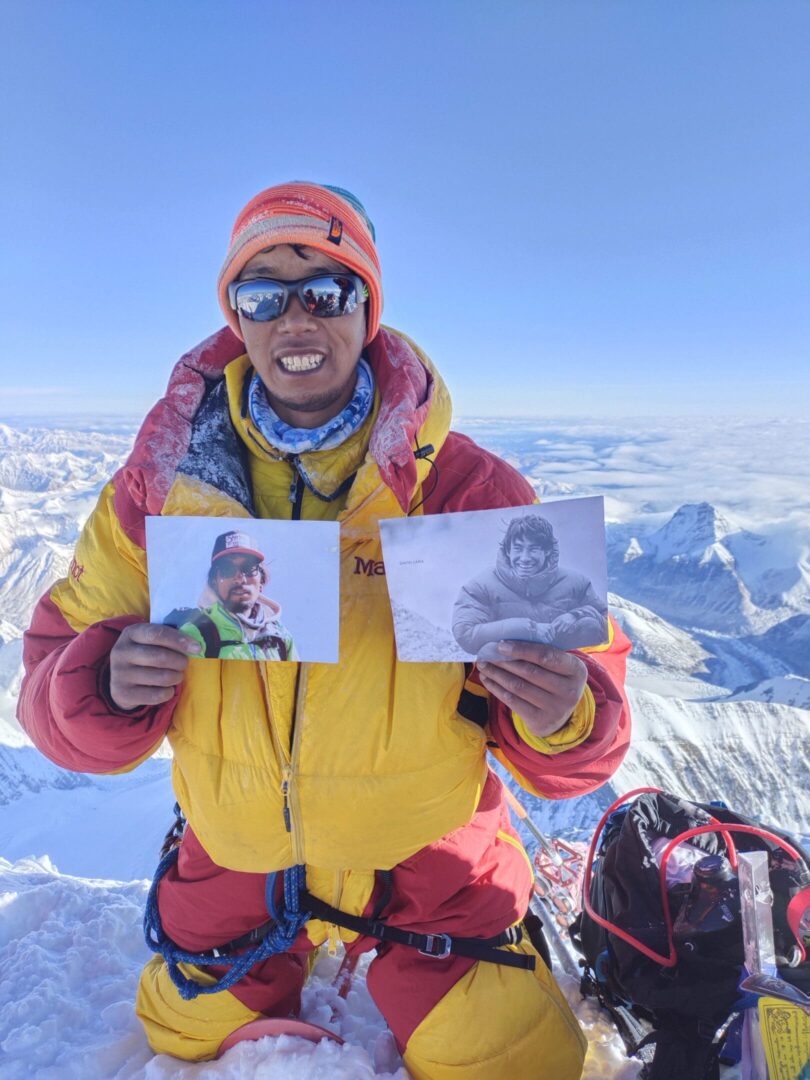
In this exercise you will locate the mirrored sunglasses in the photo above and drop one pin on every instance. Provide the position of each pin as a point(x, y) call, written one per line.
point(325, 296)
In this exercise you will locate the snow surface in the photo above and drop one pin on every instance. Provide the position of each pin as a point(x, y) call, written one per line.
point(784, 689)
point(710, 568)
point(420, 639)
point(71, 951)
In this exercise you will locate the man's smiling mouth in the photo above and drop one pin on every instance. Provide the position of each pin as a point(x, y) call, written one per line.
point(301, 362)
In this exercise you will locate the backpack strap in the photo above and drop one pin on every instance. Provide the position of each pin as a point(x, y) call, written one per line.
point(280, 644)
point(214, 643)
point(210, 635)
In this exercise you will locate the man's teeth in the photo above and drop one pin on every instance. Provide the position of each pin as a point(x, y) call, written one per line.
point(301, 363)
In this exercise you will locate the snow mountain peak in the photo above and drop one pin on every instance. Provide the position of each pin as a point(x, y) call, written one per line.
point(692, 529)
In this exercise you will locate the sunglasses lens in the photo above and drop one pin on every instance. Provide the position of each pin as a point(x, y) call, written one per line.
point(330, 296)
point(228, 569)
point(326, 296)
point(259, 301)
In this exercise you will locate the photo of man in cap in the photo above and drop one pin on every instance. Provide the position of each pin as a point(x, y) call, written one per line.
point(235, 620)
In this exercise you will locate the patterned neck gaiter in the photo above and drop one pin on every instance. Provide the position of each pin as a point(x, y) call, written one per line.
point(292, 440)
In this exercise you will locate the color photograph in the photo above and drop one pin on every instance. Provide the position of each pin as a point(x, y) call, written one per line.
point(270, 593)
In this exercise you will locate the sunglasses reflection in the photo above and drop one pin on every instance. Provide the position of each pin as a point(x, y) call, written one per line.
point(324, 297)
point(329, 301)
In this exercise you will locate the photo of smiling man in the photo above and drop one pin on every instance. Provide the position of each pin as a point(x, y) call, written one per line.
point(528, 596)
point(235, 620)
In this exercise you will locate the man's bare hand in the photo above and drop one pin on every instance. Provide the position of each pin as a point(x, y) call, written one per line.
point(146, 663)
point(538, 682)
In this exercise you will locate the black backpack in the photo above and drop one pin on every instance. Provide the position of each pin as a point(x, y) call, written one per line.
point(682, 980)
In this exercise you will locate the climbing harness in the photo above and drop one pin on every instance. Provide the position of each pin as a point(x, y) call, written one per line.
point(287, 918)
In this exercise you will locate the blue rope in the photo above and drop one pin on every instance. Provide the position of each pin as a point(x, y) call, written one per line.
point(289, 921)
point(270, 896)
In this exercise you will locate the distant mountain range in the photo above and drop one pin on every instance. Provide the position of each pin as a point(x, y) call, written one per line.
point(698, 570)
point(751, 754)
point(742, 600)
point(49, 482)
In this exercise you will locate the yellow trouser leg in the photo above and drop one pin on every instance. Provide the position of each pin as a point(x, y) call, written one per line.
point(192, 1030)
point(499, 1022)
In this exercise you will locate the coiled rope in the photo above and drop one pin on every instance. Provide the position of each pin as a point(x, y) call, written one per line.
point(288, 921)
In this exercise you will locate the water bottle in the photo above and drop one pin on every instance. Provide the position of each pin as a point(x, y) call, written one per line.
point(712, 904)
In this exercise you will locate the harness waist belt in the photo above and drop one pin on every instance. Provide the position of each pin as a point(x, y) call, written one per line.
point(436, 945)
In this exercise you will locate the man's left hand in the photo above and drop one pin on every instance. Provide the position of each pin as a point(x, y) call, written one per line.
point(540, 683)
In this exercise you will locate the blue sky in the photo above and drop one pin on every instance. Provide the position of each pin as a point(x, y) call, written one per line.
point(583, 208)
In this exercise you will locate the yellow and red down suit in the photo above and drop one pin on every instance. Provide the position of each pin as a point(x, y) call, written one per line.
point(385, 763)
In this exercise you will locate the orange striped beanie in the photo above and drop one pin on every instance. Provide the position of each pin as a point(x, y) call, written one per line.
point(318, 215)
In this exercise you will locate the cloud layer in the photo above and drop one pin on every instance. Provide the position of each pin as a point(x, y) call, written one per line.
point(757, 471)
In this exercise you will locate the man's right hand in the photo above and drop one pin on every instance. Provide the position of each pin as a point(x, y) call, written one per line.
point(146, 663)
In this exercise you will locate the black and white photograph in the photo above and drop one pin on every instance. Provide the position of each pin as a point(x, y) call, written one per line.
point(245, 589)
point(463, 582)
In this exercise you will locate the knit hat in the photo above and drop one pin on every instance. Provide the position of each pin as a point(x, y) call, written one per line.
point(327, 218)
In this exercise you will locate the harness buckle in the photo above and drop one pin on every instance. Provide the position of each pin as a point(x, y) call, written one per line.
point(441, 941)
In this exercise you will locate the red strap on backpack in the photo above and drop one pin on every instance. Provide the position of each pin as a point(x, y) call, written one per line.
point(798, 915)
point(722, 827)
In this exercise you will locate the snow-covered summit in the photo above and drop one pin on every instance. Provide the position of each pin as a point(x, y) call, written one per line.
point(692, 529)
point(701, 569)
point(751, 753)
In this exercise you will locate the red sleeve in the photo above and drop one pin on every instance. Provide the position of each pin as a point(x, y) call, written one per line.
point(471, 478)
point(63, 706)
point(585, 767)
